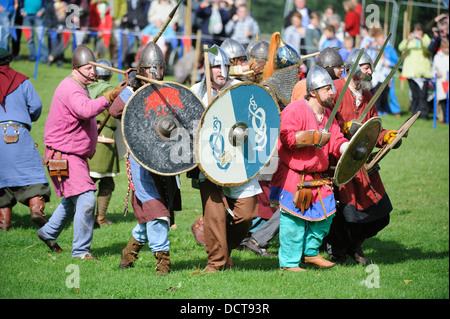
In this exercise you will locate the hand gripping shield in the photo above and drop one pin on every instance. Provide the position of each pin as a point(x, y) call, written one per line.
point(158, 125)
point(357, 152)
point(401, 132)
point(237, 135)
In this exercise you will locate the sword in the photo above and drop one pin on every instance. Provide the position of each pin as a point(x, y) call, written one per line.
point(344, 90)
point(381, 50)
point(381, 88)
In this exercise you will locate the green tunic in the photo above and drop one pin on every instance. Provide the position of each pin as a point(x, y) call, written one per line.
point(106, 157)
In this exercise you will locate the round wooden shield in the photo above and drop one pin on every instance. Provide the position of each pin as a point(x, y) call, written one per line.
point(358, 151)
point(238, 134)
point(401, 132)
point(158, 126)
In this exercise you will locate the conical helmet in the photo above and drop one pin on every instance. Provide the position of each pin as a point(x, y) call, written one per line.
point(365, 58)
point(317, 78)
point(286, 56)
point(151, 56)
point(233, 49)
point(102, 71)
point(259, 51)
point(81, 56)
point(329, 57)
point(220, 58)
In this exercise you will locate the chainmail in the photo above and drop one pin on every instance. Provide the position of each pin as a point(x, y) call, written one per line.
point(282, 83)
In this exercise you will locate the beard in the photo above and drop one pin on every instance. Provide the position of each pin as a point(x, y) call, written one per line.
point(328, 103)
point(364, 85)
point(364, 81)
point(220, 81)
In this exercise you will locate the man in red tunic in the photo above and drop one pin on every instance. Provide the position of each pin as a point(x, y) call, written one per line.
point(304, 150)
point(363, 205)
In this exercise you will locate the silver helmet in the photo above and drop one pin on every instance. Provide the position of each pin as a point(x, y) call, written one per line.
point(317, 78)
point(102, 71)
point(350, 61)
point(259, 51)
point(233, 49)
point(219, 58)
point(81, 56)
point(151, 56)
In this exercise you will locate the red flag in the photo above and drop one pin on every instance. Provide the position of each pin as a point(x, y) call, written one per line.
point(106, 39)
point(187, 43)
point(66, 37)
point(445, 86)
point(27, 32)
point(401, 77)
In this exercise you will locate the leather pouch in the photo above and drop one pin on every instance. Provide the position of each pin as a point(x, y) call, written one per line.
point(9, 139)
point(302, 196)
point(57, 167)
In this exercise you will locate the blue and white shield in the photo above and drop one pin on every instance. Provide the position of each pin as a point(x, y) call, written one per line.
point(238, 134)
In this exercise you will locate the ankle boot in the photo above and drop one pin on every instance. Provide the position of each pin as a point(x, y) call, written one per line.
point(130, 253)
point(37, 205)
point(5, 218)
point(357, 254)
point(163, 262)
point(103, 199)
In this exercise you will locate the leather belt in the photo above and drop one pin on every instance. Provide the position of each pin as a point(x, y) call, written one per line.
point(12, 123)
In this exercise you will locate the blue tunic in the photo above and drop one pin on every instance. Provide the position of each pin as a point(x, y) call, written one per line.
point(21, 163)
point(143, 182)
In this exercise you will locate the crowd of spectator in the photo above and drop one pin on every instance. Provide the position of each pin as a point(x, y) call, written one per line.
point(305, 30)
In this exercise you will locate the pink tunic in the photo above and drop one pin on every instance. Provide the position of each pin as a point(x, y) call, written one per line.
point(71, 128)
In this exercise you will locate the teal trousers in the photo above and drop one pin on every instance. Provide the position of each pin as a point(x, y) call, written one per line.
point(300, 237)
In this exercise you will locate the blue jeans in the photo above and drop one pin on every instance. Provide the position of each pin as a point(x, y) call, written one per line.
point(33, 22)
point(300, 237)
point(155, 233)
point(81, 208)
point(6, 21)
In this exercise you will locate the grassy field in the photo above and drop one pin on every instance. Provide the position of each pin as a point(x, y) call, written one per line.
point(410, 257)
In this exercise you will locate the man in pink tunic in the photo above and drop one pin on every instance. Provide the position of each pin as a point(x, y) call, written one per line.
point(71, 133)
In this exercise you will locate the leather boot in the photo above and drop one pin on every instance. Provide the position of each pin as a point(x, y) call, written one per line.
point(163, 262)
point(130, 253)
point(318, 261)
point(103, 198)
point(37, 205)
point(5, 218)
point(358, 255)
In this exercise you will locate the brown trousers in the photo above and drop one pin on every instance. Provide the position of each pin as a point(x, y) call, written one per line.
point(222, 231)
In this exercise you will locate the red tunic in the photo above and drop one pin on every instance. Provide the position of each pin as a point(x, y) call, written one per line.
point(297, 116)
point(352, 21)
point(361, 196)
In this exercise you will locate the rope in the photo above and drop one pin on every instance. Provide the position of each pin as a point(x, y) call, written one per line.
point(130, 184)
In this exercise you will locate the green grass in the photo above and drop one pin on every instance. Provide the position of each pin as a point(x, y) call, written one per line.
point(411, 253)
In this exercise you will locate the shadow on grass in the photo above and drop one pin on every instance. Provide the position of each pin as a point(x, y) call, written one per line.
point(392, 252)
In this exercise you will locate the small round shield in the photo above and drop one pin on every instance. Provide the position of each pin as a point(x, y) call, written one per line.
point(238, 134)
point(158, 125)
point(401, 132)
point(357, 152)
